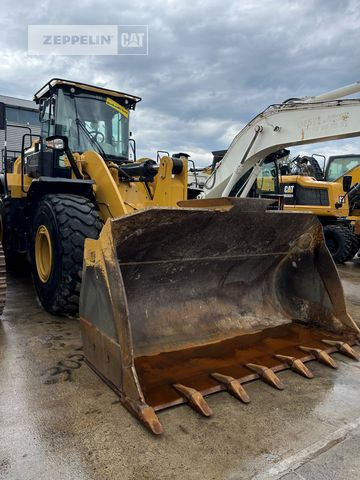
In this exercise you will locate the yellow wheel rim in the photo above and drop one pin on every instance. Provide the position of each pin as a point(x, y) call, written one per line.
point(43, 253)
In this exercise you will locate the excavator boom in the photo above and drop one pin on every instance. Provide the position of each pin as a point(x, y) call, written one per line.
point(280, 126)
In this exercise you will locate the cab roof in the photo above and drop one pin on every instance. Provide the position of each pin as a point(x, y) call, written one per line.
point(46, 90)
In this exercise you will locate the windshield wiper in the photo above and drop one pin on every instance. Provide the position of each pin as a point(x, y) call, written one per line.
point(81, 124)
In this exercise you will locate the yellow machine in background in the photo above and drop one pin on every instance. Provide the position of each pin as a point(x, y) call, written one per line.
point(177, 299)
point(334, 196)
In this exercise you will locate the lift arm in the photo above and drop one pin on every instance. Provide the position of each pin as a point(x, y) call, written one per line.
point(283, 125)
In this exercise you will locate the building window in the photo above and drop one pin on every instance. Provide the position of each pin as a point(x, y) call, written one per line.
point(21, 116)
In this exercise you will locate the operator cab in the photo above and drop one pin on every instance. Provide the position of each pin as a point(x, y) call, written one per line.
point(89, 117)
point(340, 165)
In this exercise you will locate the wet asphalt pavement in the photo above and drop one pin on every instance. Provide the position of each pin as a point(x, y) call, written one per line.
point(59, 421)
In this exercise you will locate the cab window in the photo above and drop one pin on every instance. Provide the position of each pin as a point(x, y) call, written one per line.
point(266, 181)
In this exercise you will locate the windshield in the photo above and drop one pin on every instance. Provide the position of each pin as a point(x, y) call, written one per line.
point(338, 166)
point(93, 122)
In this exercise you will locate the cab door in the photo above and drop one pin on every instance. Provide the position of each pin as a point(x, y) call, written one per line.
point(267, 182)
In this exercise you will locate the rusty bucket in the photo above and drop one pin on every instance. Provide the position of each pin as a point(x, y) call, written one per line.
point(179, 303)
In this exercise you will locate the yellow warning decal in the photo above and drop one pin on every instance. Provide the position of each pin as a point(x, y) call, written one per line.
point(117, 106)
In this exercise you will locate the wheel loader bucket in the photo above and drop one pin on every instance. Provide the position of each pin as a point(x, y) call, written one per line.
point(179, 303)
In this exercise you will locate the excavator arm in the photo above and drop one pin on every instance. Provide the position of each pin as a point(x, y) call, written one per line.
point(300, 122)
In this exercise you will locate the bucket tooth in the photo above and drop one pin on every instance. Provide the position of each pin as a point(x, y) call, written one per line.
point(195, 399)
point(145, 414)
point(149, 418)
point(267, 375)
point(343, 348)
point(233, 386)
point(320, 355)
point(296, 365)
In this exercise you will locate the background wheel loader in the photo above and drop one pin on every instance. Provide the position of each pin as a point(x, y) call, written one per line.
point(332, 193)
point(178, 298)
point(336, 202)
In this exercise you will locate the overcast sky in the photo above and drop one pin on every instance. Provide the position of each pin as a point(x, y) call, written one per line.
point(212, 65)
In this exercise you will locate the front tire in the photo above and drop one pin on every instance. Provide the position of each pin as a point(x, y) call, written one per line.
point(60, 226)
point(340, 241)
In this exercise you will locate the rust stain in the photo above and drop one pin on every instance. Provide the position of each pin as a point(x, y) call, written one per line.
point(193, 367)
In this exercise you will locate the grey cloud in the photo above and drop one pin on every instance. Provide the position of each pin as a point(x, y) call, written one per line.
point(211, 66)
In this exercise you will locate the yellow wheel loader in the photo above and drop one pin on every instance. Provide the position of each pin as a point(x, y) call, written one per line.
point(179, 298)
point(338, 200)
point(335, 202)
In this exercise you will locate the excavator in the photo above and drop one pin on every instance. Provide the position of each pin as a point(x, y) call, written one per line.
point(178, 299)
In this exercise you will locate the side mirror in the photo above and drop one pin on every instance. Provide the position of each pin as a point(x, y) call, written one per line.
point(57, 142)
point(132, 144)
point(60, 143)
point(347, 181)
point(2, 116)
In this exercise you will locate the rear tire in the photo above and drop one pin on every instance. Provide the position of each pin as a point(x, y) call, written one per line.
point(60, 226)
point(341, 242)
point(15, 261)
point(2, 280)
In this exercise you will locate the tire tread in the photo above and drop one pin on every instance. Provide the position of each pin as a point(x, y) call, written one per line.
point(77, 219)
point(349, 245)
